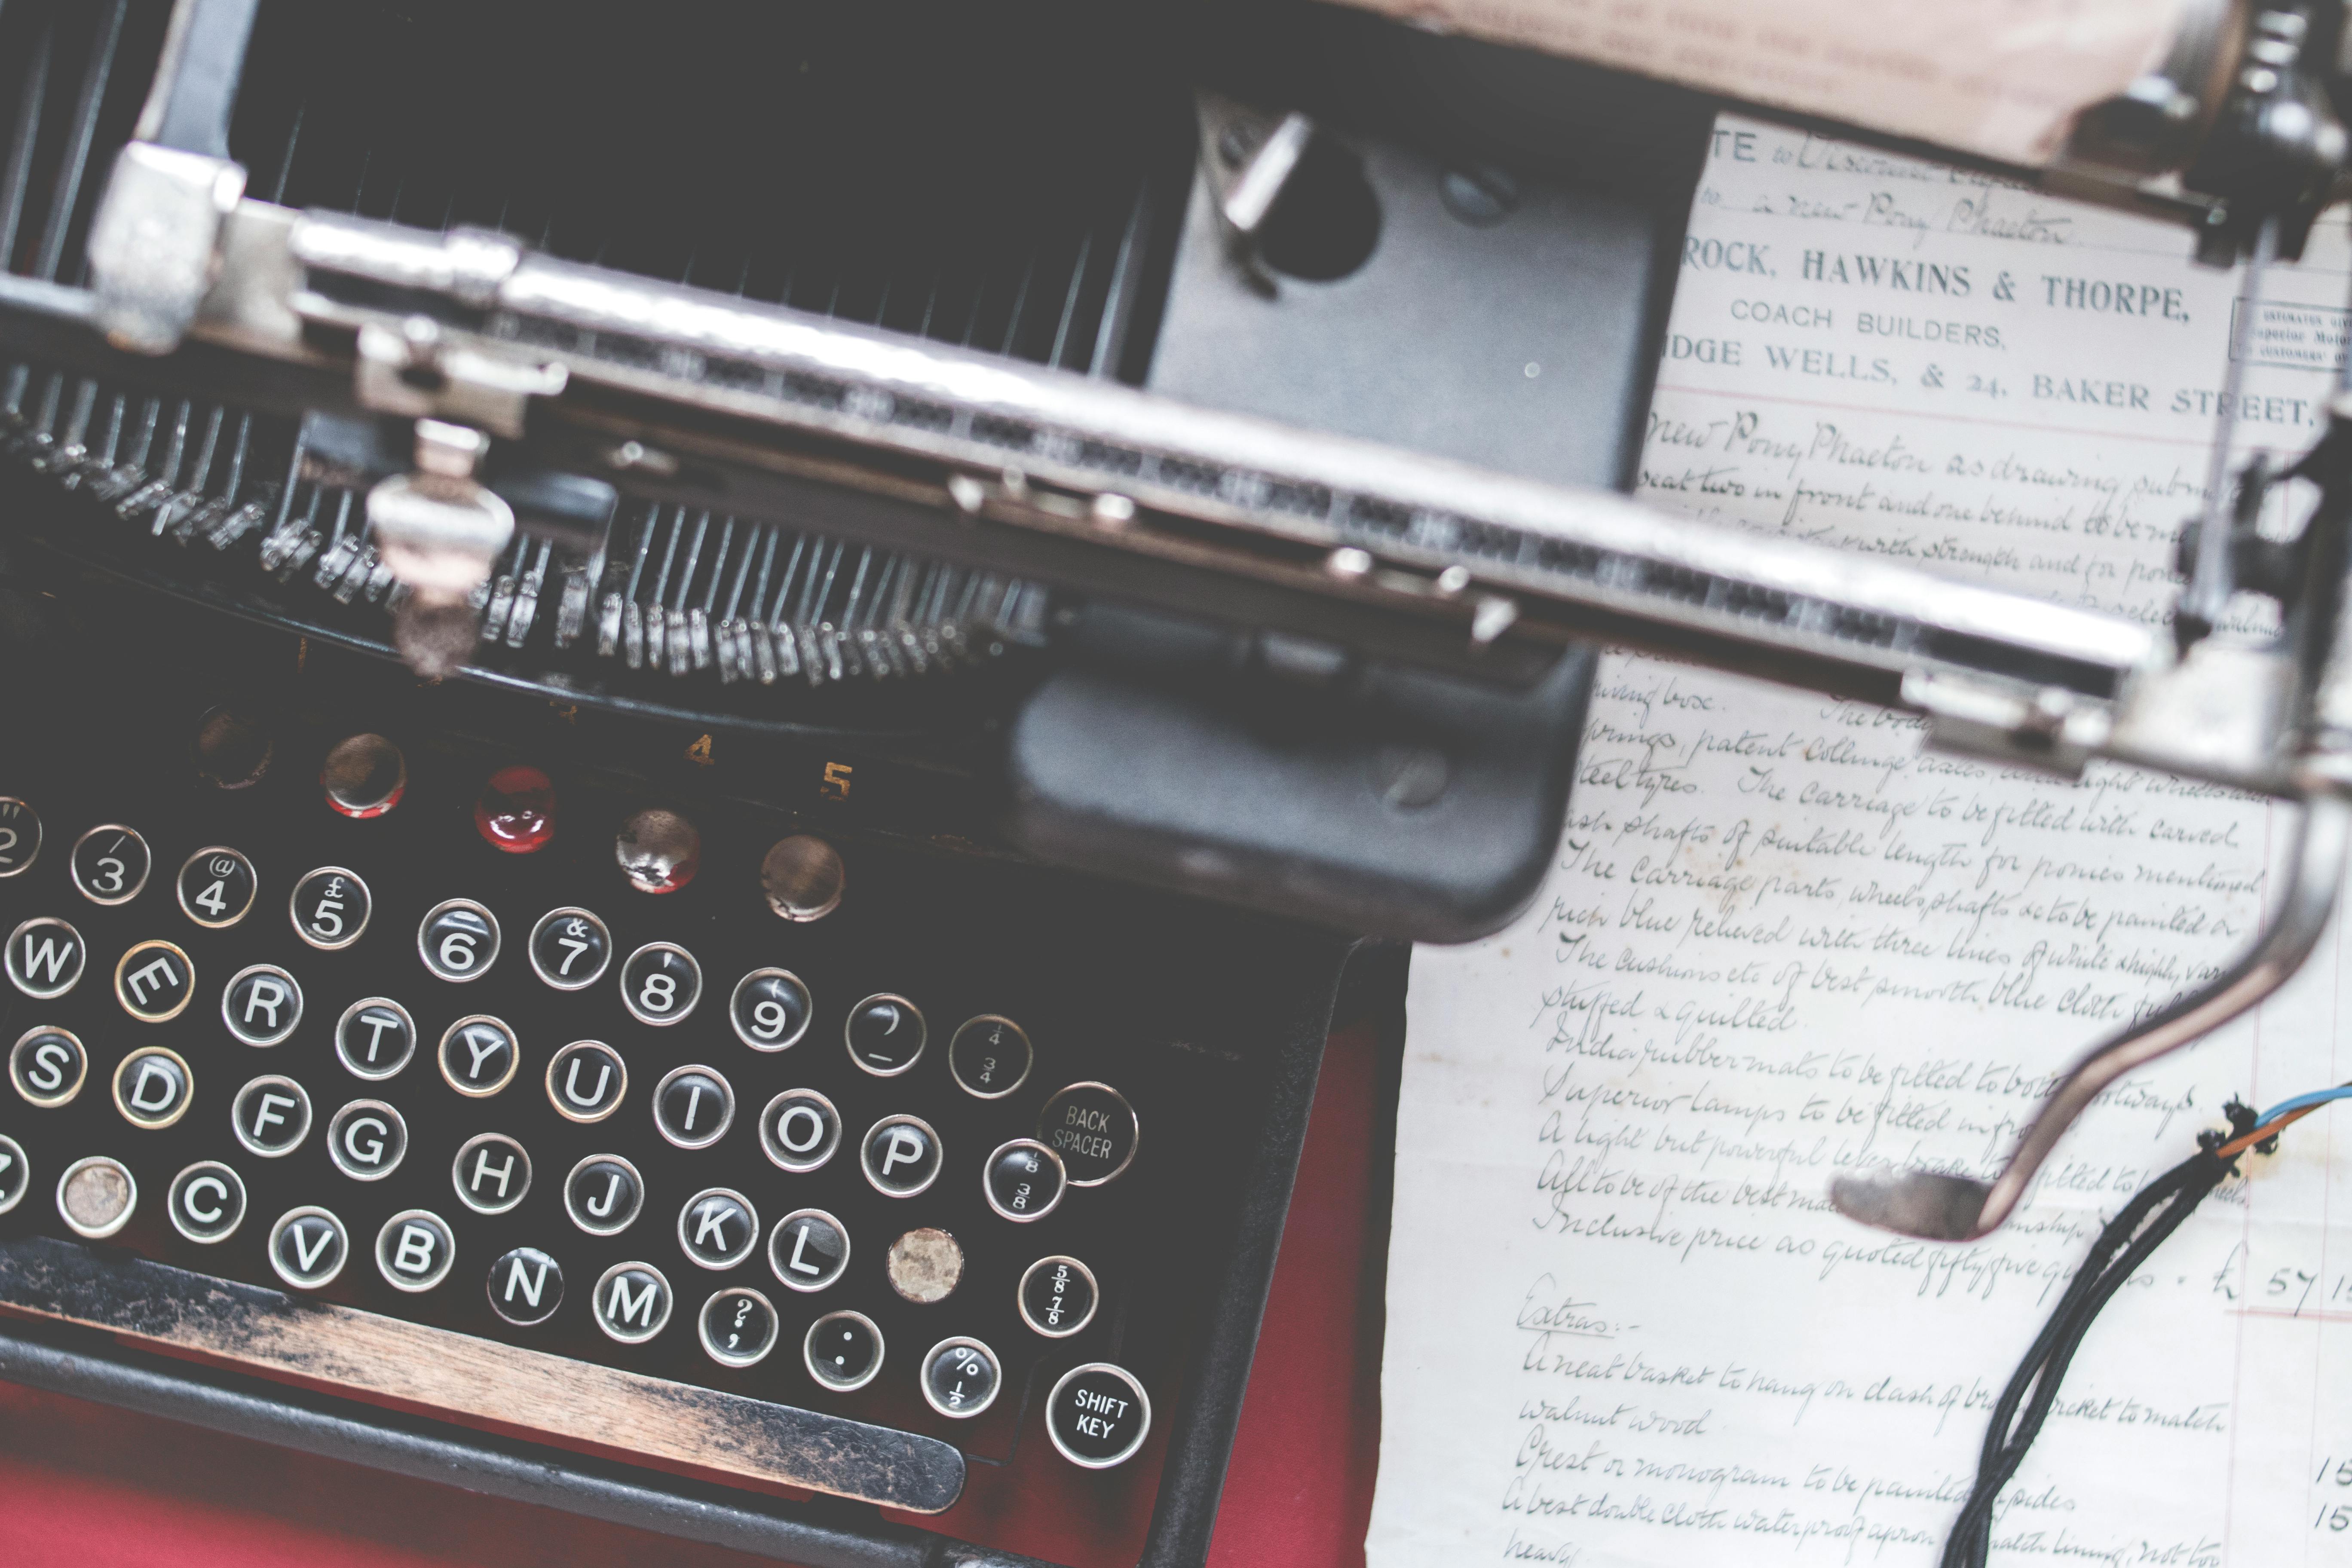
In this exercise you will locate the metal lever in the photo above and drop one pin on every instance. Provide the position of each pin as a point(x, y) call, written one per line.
point(440, 531)
point(154, 243)
point(2307, 576)
point(1941, 1206)
point(1249, 156)
point(2210, 580)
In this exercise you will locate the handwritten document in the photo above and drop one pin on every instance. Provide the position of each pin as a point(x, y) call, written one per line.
point(1782, 941)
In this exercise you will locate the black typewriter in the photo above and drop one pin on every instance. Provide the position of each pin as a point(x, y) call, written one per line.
point(746, 1019)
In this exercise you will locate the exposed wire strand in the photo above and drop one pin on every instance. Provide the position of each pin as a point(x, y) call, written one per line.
point(2245, 1140)
point(2123, 1244)
point(2316, 1098)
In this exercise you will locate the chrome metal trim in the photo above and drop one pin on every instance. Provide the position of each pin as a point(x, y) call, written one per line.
point(1946, 1206)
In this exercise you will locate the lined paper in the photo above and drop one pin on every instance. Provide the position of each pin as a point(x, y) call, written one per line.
point(1781, 941)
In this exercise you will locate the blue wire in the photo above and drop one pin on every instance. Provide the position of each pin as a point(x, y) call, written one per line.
point(2316, 1097)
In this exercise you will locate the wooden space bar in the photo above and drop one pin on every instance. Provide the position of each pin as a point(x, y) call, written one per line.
point(441, 1372)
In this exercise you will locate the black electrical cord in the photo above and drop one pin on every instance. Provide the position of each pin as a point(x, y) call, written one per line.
point(2155, 1212)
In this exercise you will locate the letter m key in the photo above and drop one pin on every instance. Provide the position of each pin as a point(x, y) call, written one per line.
point(621, 1306)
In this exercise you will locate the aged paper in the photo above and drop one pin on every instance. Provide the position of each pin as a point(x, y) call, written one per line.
point(1781, 941)
point(2000, 78)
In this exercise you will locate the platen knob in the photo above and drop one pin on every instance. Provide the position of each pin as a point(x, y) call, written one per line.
point(659, 851)
point(230, 749)
point(803, 878)
point(364, 775)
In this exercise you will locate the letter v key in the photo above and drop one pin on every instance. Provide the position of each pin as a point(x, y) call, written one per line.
point(309, 1244)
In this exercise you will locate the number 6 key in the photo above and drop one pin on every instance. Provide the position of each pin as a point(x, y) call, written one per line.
point(458, 940)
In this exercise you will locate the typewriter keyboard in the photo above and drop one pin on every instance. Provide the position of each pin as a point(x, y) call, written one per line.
point(430, 1052)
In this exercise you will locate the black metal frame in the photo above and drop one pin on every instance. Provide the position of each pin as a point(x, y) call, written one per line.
point(1604, 405)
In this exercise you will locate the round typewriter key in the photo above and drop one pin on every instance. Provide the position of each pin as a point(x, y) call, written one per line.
point(884, 1035)
point(48, 1066)
point(770, 1009)
point(989, 1057)
point(261, 1005)
point(961, 1377)
point(738, 1327)
point(154, 982)
point(44, 957)
point(491, 1173)
point(330, 908)
point(308, 1247)
point(1093, 1129)
point(718, 1228)
point(603, 1193)
point(153, 1087)
point(693, 1107)
point(270, 1115)
point(1097, 1416)
point(842, 1351)
point(479, 1056)
point(415, 1249)
point(1057, 1296)
point(925, 1266)
point(525, 1286)
point(217, 886)
point(632, 1302)
point(375, 1037)
point(206, 1202)
point(95, 1197)
point(110, 864)
point(801, 878)
point(230, 750)
point(516, 810)
point(901, 1156)
point(660, 982)
point(458, 940)
point(20, 835)
point(585, 1080)
point(800, 1130)
point(1024, 1180)
point(808, 1249)
point(658, 851)
point(364, 775)
point(569, 948)
point(367, 1139)
point(16, 1174)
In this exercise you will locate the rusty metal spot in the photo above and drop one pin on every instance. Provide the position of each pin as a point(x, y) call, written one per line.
point(925, 1265)
point(96, 1196)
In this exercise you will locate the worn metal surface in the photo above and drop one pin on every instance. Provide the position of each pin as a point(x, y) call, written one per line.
point(363, 1352)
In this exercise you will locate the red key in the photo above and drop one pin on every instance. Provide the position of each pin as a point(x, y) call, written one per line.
point(516, 811)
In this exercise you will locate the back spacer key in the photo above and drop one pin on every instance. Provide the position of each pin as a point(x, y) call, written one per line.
point(1093, 1129)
